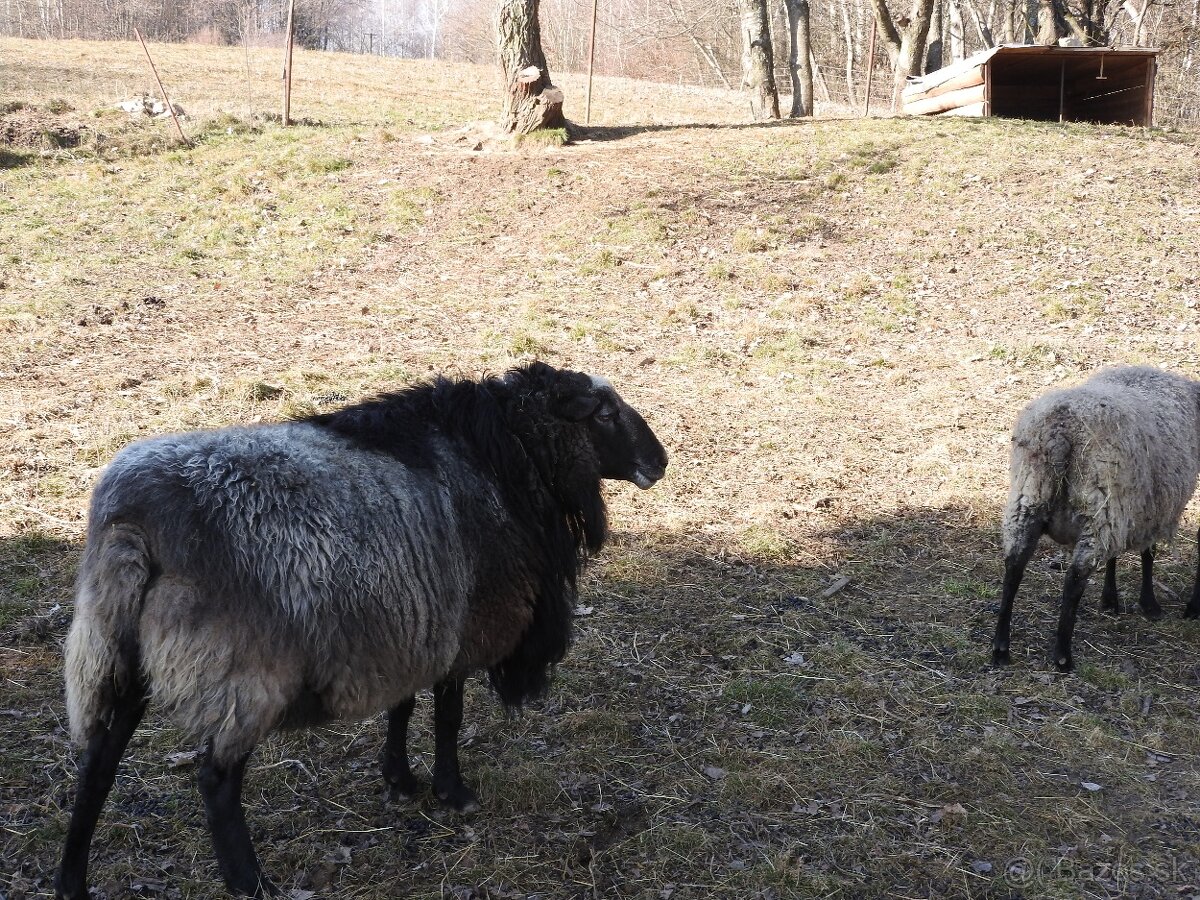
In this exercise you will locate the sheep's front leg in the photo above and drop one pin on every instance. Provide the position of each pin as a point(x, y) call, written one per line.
point(1146, 599)
point(97, 772)
point(1193, 608)
point(1080, 570)
point(1109, 599)
point(221, 788)
point(448, 785)
point(394, 763)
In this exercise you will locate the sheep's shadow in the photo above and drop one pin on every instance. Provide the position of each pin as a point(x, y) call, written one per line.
point(710, 671)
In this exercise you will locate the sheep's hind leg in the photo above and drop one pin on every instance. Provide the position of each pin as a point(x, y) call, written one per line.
point(1146, 599)
point(1014, 570)
point(1082, 564)
point(97, 772)
point(394, 762)
point(1109, 599)
point(448, 785)
point(221, 788)
point(1193, 608)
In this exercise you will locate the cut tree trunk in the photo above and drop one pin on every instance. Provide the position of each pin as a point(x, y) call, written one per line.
point(799, 56)
point(758, 60)
point(531, 101)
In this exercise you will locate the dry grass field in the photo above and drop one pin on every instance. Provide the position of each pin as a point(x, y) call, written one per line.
point(831, 325)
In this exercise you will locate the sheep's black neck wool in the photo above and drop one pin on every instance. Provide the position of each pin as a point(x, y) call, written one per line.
point(541, 465)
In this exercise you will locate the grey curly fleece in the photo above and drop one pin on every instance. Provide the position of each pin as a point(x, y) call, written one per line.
point(1108, 465)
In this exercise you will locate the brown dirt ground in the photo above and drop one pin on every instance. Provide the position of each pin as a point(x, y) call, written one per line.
point(830, 325)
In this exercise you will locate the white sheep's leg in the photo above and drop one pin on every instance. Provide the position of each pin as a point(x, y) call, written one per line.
point(394, 762)
point(1193, 608)
point(1146, 599)
point(97, 772)
point(448, 784)
point(1014, 570)
point(1083, 562)
point(1109, 600)
point(221, 787)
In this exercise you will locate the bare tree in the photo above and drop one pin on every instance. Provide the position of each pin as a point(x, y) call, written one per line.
point(904, 39)
point(530, 100)
point(758, 59)
point(800, 57)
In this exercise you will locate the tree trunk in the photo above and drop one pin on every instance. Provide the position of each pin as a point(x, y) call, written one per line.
point(799, 54)
point(758, 60)
point(530, 100)
point(905, 45)
point(847, 28)
point(933, 52)
point(1047, 30)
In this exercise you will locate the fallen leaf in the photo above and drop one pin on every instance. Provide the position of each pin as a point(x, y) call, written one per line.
point(715, 773)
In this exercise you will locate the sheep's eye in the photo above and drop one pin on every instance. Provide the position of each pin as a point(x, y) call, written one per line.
point(606, 415)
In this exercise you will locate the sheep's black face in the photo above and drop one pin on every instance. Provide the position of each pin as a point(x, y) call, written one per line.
point(625, 447)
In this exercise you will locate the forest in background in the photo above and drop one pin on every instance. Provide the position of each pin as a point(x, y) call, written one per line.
point(679, 41)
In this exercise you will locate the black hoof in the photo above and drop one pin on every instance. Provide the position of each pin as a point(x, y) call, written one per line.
point(458, 797)
point(1001, 657)
point(1191, 611)
point(1063, 662)
point(68, 892)
point(1153, 613)
point(267, 888)
point(1112, 609)
point(402, 784)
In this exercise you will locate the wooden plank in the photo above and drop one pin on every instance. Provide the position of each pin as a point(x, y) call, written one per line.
point(971, 109)
point(961, 97)
point(966, 79)
point(1151, 73)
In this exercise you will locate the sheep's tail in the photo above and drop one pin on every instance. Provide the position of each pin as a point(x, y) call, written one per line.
point(1038, 475)
point(102, 657)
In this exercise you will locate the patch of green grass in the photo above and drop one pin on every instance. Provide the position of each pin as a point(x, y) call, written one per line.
point(767, 543)
point(542, 137)
point(602, 261)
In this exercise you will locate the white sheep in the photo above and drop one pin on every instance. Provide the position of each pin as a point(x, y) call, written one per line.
point(1107, 467)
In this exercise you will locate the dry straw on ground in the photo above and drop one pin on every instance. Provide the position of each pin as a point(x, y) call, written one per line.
point(831, 325)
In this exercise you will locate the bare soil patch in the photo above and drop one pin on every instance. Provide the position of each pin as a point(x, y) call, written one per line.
point(35, 129)
point(830, 324)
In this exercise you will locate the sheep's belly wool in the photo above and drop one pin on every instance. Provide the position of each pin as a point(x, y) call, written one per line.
point(1112, 461)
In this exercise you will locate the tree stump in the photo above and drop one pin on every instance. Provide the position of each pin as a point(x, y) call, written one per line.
point(531, 101)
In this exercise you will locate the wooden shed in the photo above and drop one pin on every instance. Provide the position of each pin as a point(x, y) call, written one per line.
point(1106, 85)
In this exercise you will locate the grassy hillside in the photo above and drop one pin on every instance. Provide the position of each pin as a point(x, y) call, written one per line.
point(830, 324)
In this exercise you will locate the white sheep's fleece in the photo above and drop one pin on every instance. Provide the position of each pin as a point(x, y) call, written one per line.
point(1111, 463)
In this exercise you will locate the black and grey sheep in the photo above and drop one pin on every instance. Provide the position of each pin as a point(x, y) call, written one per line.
point(256, 578)
point(1107, 466)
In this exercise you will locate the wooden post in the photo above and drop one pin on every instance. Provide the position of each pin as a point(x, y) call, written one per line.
point(870, 67)
point(287, 64)
point(162, 90)
point(1062, 87)
point(587, 106)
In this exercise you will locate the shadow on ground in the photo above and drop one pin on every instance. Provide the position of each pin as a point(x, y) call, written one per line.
point(734, 720)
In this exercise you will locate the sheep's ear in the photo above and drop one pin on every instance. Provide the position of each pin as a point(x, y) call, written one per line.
point(576, 407)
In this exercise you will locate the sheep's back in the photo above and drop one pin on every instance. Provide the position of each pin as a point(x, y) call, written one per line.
point(291, 563)
point(1115, 457)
